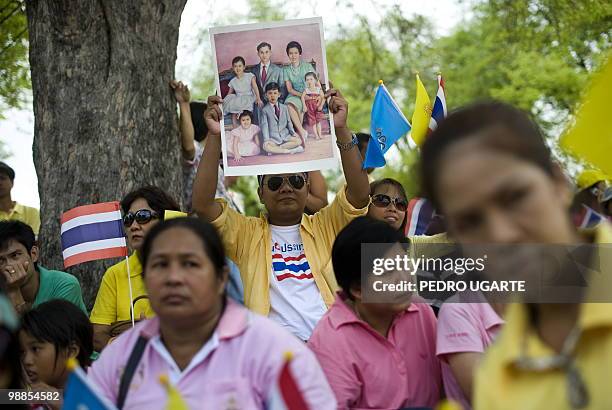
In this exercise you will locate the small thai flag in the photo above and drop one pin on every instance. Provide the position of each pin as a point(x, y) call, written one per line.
point(80, 393)
point(438, 112)
point(418, 216)
point(92, 232)
point(588, 218)
point(286, 394)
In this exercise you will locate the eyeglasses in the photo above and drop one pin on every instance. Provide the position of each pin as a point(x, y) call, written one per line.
point(383, 201)
point(296, 181)
point(141, 216)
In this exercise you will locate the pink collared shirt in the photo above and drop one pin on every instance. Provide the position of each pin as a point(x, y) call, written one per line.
point(464, 327)
point(368, 371)
point(236, 368)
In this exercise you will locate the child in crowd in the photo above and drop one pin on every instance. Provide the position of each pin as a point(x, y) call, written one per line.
point(243, 91)
point(244, 140)
point(50, 334)
point(278, 133)
point(313, 100)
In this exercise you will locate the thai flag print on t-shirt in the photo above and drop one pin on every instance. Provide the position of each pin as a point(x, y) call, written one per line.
point(289, 261)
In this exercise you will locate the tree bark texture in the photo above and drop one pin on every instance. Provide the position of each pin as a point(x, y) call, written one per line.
point(105, 117)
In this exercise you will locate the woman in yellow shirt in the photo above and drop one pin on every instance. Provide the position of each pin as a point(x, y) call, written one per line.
point(487, 168)
point(111, 314)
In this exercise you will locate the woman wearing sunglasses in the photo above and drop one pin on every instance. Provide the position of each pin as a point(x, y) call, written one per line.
point(489, 171)
point(388, 202)
point(111, 314)
point(285, 256)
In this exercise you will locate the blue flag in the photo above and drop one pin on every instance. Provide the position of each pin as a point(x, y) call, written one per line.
point(387, 125)
point(80, 394)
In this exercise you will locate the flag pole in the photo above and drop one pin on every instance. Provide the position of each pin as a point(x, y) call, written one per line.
point(127, 261)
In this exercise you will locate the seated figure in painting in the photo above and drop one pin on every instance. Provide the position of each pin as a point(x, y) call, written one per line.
point(278, 133)
point(243, 141)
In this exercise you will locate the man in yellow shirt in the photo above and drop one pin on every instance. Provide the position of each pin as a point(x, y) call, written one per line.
point(284, 257)
point(11, 210)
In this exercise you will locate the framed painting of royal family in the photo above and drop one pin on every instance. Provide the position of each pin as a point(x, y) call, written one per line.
point(272, 78)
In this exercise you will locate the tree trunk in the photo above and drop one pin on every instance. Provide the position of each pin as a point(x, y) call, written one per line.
point(105, 117)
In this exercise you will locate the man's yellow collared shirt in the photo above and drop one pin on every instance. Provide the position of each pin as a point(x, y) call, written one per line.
point(25, 214)
point(501, 384)
point(248, 242)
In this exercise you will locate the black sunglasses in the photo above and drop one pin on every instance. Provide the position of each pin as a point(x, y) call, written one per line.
point(141, 216)
point(296, 181)
point(383, 201)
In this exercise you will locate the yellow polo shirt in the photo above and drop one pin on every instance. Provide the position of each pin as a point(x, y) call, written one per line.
point(248, 242)
point(501, 385)
point(113, 299)
point(25, 214)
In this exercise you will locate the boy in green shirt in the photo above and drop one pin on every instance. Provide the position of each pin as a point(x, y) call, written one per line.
point(29, 284)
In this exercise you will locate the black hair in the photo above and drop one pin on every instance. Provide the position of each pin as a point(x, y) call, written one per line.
point(200, 129)
point(346, 251)
point(246, 113)
point(156, 197)
point(312, 73)
point(238, 59)
point(7, 170)
point(17, 231)
point(398, 185)
point(272, 86)
point(61, 323)
point(362, 140)
point(263, 44)
point(502, 128)
point(294, 44)
point(211, 241)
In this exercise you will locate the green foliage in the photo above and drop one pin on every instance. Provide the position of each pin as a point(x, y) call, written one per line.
point(535, 54)
point(247, 187)
point(14, 66)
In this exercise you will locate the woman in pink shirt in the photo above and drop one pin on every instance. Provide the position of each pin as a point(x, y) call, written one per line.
point(216, 353)
point(375, 355)
point(465, 330)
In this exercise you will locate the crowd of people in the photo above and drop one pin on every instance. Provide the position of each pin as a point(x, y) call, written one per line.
point(221, 299)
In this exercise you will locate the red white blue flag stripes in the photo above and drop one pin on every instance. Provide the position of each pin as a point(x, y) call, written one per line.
point(418, 216)
point(438, 112)
point(92, 232)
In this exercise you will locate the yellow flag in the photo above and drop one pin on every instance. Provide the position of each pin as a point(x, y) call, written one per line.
point(590, 138)
point(175, 401)
point(174, 214)
point(421, 115)
point(449, 405)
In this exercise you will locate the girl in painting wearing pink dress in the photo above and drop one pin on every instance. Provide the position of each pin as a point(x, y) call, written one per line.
point(244, 140)
point(313, 99)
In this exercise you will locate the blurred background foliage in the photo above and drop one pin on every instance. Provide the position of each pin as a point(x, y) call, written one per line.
point(535, 54)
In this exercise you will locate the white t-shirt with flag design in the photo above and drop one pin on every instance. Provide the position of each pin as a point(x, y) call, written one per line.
point(295, 301)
